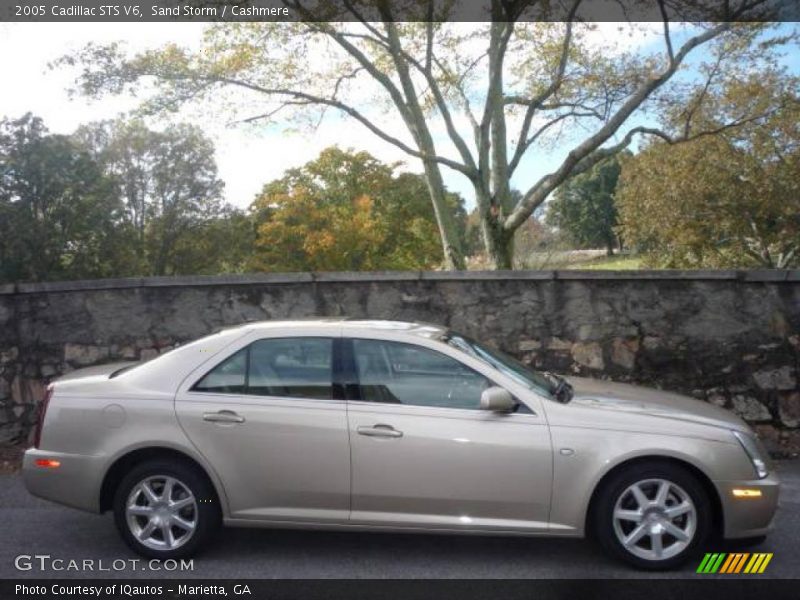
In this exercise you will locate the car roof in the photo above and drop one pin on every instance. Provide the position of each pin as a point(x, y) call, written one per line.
point(343, 324)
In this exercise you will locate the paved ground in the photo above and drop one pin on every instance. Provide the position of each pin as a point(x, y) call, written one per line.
point(30, 526)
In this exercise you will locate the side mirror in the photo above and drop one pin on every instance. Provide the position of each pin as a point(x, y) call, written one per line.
point(496, 399)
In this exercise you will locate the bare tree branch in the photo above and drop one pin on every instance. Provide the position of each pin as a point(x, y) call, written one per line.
point(535, 103)
point(492, 152)
point(271, 113)
point(542, 188)
point(603, 153)
point(313, 99)
point(667, 36)
point(692, 109)
point(399, 53)
point(429, 38)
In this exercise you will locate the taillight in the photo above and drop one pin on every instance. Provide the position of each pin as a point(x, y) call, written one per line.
point(37, 434)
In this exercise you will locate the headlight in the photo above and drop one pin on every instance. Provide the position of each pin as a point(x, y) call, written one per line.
point(754, 452)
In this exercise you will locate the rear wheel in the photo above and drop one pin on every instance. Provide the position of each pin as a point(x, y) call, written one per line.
point(653, 515)
point(165, 509)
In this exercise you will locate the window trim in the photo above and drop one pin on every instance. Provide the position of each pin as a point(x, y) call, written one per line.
point(333, 397)
point(346, 385)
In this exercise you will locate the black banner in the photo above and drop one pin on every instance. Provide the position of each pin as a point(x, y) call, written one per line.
point(739, 588)
point(403, 10)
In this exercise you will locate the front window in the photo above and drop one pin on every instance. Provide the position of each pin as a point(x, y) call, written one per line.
point(504, 363)
point(398, 373)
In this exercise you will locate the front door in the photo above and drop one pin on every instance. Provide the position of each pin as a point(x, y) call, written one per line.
point(425, 455)
point(266, 421)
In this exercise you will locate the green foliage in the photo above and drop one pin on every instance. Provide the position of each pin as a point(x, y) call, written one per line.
point(57, 207)
point(169, 186)
point(219, 244)
point(113, 200)
point(584, 208)
point(725, 201)
point(346, 210)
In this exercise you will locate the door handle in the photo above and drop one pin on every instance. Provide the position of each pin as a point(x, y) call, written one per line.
point(379, 430)
point(223, 416)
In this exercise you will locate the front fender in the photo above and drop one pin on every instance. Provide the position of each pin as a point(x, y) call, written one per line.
point(596, 452)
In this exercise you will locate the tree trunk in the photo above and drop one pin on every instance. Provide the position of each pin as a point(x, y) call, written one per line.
point(501, 252)
point(499, 244)
point(414, 116)
point(451, 244)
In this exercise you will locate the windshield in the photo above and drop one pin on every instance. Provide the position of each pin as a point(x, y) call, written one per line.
point(504, 363)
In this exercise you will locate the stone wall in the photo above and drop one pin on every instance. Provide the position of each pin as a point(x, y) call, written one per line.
point(728, 337)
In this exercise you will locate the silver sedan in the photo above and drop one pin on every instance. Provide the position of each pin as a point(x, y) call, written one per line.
point(382, 425)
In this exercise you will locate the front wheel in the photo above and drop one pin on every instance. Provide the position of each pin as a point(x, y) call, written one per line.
point(653, 515)
point(165, 509)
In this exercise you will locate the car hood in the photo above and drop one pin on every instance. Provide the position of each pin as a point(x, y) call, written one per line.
point(621, 397)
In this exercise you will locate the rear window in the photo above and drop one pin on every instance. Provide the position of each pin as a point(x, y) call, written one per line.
point(282, 367)
point(229, 377)
point(210, 343)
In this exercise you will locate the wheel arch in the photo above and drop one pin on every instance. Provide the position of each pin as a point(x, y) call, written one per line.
point(122, 464)
point(718, 523)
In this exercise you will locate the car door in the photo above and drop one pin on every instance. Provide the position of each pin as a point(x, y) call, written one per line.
point(266, 421)
point(425, 455)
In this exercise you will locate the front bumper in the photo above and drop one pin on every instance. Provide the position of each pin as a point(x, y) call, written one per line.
point(749, 516)
point(75, 482)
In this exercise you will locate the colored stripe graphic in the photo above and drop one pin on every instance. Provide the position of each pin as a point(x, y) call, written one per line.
point(711, 562)
point(723, 563)
point(740, 564)
point(753, 564)
point(730, 563)
point(717, 563)
point(704, 563)
point(765, 563)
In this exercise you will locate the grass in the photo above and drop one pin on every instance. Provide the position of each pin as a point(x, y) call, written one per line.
point(580, 259)
point(608, 263)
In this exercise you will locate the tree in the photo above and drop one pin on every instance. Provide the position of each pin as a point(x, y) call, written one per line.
point(223, 243)
point(57, 208)
point(584, 208)
point(721, 201)
point(305, 235)
point(515, 84)
point(168, 182)
point(346, 210)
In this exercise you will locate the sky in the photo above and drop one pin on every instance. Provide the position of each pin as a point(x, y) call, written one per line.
point(247, 156)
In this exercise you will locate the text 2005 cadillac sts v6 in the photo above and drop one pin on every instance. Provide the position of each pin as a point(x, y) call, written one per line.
point(381, 425)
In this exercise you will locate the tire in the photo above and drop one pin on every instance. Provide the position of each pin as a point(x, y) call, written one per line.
point(673, 507)
point(155, 528)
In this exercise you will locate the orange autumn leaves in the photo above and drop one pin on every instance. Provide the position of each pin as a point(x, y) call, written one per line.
point(345, 211)
point(304, 234)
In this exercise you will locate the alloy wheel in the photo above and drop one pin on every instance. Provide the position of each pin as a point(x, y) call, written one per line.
point(655, 519)
point(161, 512)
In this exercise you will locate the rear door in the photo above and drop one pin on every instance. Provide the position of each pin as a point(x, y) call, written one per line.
point(425, 455)
point(264, 417)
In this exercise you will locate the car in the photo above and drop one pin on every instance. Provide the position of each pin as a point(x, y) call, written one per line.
point(392, 426)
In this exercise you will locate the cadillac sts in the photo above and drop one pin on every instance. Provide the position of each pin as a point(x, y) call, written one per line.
point(393, 426)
